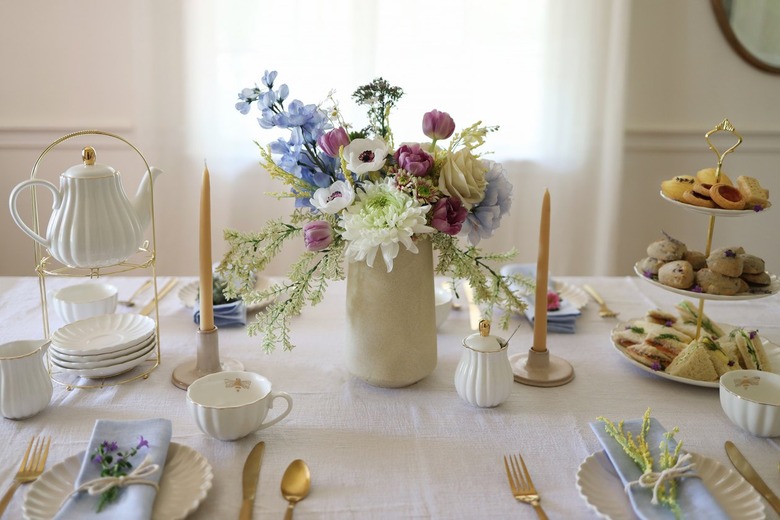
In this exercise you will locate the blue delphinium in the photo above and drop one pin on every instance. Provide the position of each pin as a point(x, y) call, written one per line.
point(485, 217)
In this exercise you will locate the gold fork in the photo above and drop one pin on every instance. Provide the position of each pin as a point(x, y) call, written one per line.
point(29, 470)
point(604, 312)
point(521, 484)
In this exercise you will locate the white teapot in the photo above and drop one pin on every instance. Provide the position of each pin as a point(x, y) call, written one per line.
point(484, 376)
point(93, 224)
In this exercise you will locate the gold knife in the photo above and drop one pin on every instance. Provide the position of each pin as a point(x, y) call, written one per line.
point(747, 471)
point(250, 478)
point(149, 307)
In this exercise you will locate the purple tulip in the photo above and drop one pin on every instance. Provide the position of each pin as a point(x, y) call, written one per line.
point(330, 142)
point(413, 159)
point(317, 235)
point(448, 215)
point(438, 125)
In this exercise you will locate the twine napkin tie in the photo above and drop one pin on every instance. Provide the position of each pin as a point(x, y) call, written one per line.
point(655, 479)
point(138, 476)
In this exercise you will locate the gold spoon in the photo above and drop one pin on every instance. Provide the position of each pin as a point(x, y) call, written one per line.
point(295, 485)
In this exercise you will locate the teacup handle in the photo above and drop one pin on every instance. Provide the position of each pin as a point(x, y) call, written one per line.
point(274, 396)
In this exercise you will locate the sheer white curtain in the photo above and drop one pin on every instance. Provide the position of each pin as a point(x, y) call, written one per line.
point(549, 73)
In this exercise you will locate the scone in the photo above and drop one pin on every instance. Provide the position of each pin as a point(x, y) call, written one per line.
point(726, 261)
point(678, 274)
point(716, 283)
point(696, 259)
point(751, 264)
point(666, 249)
point(649, 265)
point(757, 279)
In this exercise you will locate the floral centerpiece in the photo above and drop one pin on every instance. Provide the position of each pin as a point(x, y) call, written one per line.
point(360, 196)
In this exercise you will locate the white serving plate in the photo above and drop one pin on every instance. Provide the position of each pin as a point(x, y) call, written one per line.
point(188, 294)
point(86, 361)
point(110, 370)
point(760, 292)
point(601, 488)
point(772, 352)
point(185, 482)
point(718, 212)
point(102, 334)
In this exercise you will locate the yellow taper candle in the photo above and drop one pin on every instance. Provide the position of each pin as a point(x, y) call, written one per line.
point(206, 280)
point(542, 269)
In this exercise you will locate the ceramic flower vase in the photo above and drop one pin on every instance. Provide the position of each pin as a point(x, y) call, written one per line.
point(391, 320)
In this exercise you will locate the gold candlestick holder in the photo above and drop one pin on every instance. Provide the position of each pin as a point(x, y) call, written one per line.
point(207, 360)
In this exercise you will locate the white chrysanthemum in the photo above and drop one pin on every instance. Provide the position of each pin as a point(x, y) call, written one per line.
point(382, 217)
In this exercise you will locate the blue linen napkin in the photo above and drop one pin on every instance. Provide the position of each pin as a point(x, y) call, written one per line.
point(231, 314)
point(693, 496)
point(135, 501)
point(563, 320)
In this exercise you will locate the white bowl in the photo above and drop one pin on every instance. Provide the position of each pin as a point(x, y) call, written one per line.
point(443, 299)
point(85, 300)
point(751, 399)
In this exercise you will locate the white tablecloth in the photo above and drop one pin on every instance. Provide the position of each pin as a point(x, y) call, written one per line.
point(417, 452)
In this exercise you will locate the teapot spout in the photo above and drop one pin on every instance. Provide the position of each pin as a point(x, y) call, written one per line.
point(142, 202)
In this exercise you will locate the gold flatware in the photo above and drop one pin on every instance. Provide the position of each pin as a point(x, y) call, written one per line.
point(521, 484)
point(168, 287)
point(746, 470)
point(130, 302)
point(249, 480)
point(296, 483)
point(30, 468)
point(604, 311)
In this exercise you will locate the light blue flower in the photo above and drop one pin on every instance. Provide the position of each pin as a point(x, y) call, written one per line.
point(485, 217)
point(243, 107)
point(269, 78)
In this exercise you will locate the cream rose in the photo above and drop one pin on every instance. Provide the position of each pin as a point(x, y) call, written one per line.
point(463, 176)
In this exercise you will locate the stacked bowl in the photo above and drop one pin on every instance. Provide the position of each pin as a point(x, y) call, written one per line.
point(103, 346)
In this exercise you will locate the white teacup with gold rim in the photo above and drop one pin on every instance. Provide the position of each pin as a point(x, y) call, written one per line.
point(231, 405)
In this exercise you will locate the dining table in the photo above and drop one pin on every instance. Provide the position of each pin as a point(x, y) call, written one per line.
point(415, 452)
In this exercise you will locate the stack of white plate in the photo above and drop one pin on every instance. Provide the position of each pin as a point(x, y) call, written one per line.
point(103, 346)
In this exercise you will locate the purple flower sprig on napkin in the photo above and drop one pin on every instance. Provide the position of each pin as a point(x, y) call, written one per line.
point(114, 463)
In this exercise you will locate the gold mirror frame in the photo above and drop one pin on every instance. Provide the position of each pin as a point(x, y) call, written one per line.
point(728, 32)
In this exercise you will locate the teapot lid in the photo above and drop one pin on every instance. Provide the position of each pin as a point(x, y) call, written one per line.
point(89, 169)
point(483, 341)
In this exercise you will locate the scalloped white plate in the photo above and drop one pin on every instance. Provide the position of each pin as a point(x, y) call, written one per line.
point(102, 334)
point(760, 292)
point(601, 488)
point(184, 484)
point(772, 352)
point(571, 293)
point(124, 357)
point(188, 294)
point(718, 212)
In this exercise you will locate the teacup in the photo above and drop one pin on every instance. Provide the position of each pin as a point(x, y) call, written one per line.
point(84, 300)
point(231, 405)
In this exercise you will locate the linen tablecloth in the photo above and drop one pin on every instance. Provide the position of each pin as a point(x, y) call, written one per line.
point(416, 452)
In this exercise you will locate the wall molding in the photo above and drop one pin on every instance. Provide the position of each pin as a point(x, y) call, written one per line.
point(681, 140)
point(39, 137)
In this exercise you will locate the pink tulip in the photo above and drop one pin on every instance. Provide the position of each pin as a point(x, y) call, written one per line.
point(317, 235)
point(438, 125)
point(413, 159)
point(331, 142)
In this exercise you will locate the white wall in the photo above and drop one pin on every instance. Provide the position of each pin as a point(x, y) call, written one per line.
point(683, 80)
point(88, 67)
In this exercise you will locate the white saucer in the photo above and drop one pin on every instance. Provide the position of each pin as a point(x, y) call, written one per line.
point(102, 334)
point(601, 488)
point(109, 370)
point(185, 482)
point(85, 362)
point(188, 294)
